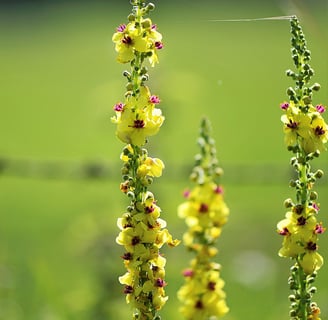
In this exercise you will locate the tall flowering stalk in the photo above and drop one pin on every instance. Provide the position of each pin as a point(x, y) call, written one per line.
point(306, 134)
point(142, 233)
point(205, 212)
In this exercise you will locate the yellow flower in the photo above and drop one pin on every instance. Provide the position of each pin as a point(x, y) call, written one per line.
point(296, 125)
point(127, 39)
point(142, 37)
point(204, 211)
point(138, 119)
point(318, 136)
point(151, 167)
point(304, 125)
point(311, 261)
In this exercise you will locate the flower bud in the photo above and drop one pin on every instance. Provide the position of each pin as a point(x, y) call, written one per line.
point(129, 86)
point(288, 203)
point(131, 17)
point(145, 77)
point(294, 305)
point(125, 170)
point(139, 206)
point(313, 290)
point(290, 73)
point(130, 194)
point(126, 74)
point(146, 24)
point(219, 172)
point(313, 195)
point(307, 100)
point(150, 6)
point(293, 313)
point(316, 87)
point(316, 153)
point(292, 183)
point(292, 298)
point(318, 174)
point(291, 92)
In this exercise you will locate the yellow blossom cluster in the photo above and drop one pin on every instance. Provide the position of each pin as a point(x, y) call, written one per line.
point(205, 213)
point(304, 125)
point(139, 35)
point(137, 118)
point(142, 234)
point(300, 229)
point(202, 293)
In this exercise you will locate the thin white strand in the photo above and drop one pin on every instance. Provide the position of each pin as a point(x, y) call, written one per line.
point(255, 19)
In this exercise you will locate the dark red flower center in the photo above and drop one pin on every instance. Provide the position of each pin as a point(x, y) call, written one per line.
point(319, 131)
point(292, 124)
point(138, 124)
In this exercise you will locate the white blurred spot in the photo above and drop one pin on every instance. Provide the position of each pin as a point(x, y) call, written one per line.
point(254, 269)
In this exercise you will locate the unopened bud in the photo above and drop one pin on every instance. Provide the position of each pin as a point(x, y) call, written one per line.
point(313, 195)
point(292, 183)
point(146, 23)
point(288, 203)
point(307, 100)
point(319, 174)
point(316, 87)
point(150, 6)
point(131, 17)
point(130, 194)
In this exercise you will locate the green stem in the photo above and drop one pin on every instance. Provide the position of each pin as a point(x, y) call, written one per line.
point(303, 192)
point(136, 67)
point(303, 302)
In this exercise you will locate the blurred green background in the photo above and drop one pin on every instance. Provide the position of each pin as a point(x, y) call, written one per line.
point(59, 157)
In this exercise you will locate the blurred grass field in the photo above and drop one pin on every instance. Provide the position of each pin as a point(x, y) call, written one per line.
point(59, 80)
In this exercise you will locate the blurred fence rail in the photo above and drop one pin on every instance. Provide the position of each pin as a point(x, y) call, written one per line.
point(103, 170)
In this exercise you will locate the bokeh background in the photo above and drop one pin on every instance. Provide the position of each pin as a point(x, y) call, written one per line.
point(59, 157)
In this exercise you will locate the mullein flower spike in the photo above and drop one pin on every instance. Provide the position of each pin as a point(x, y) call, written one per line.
point(306, 134)
point(205, 212)
point(142, 231)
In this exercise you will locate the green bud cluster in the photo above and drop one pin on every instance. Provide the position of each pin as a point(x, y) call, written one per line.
point(303, 291)
point(301, 57)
